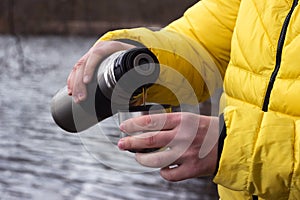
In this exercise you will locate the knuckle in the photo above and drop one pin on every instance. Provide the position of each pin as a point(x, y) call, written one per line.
point(150, 141)
point(176, 118)
point(147, 121)
point(80, 62)
point(78, 65)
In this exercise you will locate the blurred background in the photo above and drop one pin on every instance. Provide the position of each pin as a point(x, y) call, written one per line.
point(81, 17)
point(39, 43)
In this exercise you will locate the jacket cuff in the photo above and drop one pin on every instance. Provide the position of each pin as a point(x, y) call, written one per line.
point(222, 130)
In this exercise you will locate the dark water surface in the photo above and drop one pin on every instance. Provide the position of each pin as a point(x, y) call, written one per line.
point(40, 161)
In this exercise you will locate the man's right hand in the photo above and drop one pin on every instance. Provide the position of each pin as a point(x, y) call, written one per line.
point(84, 69)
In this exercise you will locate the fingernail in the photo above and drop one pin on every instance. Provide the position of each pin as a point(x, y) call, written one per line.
point(122, 127)
point(86, 79)
point(121, 144)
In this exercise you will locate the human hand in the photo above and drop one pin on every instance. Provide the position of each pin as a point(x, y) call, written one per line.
point(191, 140)
point(84, 69)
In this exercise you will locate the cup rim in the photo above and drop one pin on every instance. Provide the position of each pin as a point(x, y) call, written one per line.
point(146, 107)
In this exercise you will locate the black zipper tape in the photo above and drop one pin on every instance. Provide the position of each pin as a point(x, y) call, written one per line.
point(278, 56)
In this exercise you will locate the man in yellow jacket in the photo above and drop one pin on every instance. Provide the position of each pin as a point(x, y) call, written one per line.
point(255, 47)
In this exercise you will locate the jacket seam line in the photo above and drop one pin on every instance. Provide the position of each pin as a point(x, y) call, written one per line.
point(216, 17)
point(263, 26)
point(253, 74)
point(243, 101)
point(288, 43)
point(288, 115)
point(240, 67)
point(239, 46)
point(283, 78)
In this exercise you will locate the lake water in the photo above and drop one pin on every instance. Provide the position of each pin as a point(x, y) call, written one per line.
point(40, 161)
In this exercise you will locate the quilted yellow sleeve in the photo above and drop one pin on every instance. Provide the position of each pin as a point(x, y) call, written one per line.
point(193, 50)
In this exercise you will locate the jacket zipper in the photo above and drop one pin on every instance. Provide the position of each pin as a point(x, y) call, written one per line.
point(278, 56)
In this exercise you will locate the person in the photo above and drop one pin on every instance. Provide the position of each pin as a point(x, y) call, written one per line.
point(255, 46)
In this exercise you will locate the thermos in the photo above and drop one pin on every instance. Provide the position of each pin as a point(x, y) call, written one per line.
point(120, 78)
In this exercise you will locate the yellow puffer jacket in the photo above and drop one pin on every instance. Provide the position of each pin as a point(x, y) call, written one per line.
point(257, 44)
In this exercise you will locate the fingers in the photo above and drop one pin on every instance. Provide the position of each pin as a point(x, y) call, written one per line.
point(84, 69)
point(93, 61)
point(157, 124)
point(154, 122)
point(159, 159)
point(73, 75)
point(172, 168)
point(98, 53)
point(146, 140)
point(79, 90)
point(70, 82)
point(183, 134)
point(162, 131)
